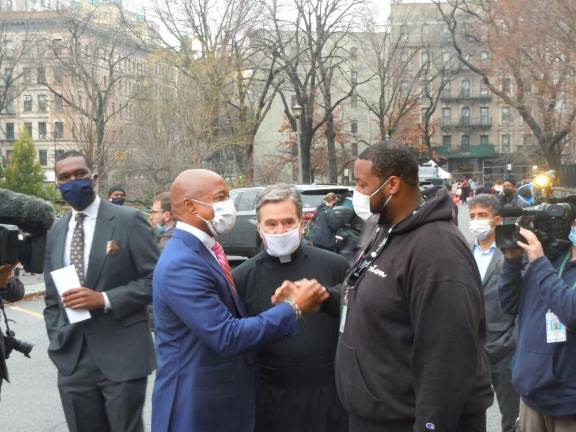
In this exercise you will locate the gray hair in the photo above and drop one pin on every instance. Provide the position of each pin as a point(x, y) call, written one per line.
point(278, 193)
point(485, 200)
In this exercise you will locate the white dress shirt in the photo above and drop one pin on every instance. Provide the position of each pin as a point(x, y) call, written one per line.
point(483, 258)
point(89, 226)
point(206, 239)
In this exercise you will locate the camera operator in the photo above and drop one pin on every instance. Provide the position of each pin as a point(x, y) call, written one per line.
point(544, 366)
point(11, 289)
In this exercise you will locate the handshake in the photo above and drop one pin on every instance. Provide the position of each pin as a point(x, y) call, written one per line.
point(307, 294)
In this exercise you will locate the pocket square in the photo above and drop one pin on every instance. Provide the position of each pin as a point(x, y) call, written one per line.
point(112, 247)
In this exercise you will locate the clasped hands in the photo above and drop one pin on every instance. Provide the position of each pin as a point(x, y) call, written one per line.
point(308, 294)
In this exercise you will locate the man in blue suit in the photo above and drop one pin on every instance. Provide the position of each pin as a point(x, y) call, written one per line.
point(206, 375)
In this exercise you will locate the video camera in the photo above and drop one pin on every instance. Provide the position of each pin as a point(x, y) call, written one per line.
point(550, 220)
point(24, 223)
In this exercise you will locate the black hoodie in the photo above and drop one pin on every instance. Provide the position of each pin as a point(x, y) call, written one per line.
point(412, 345)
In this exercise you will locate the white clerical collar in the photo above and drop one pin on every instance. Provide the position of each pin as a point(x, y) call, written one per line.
point(199, 234)
point(91, 211)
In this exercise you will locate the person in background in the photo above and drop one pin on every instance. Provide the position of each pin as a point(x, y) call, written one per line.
point(162, 219)
point(508, 197)
point(117, 195)
point(326, 224)
point(298, 392)
point(500, 326)
point(348, 236)
point(543, 294)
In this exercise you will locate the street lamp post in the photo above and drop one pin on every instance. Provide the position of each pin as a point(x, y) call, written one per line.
point(297, 110)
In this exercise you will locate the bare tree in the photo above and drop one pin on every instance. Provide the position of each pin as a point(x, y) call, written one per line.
point(98, 68)
point(216, 48)
point(312, 48)
point(528, 60)
point(16, 46)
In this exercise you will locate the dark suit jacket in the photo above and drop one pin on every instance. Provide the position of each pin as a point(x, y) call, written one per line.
point(206, 376)
point(500, 326)
point(119, 340)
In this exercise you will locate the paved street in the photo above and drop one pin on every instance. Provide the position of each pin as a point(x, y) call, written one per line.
point(30, 403)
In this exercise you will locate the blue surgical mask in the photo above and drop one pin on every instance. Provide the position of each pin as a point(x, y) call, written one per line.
point(572, 235)
point(79, 193)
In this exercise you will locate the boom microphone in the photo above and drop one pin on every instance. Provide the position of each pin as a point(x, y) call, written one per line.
point(32, 215)
point(511, 212)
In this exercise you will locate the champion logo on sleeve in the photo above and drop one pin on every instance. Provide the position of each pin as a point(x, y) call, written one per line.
point(430, 426)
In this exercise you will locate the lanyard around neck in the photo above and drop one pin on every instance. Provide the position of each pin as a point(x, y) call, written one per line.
point(563, 266)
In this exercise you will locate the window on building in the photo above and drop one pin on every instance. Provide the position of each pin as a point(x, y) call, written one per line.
point(484, 91)
point(403, 32)
point(9, 154)
point(42, 105)
point(354, 77)
point(10, 131)
point(506, 86)
point(404, 58)
point(57, 47)
point(58, 72)
point(445, 58)
point(58, 130)
point(42, 130)
point(505, 143)
point(447, 141)
point(446, 116)
point(59, 104)
point(447, 90)
point(425, 33)
point(41, 74)
point(354, 127)
point(527, 140)
point(354, 149)
point(465, 90)
point(354, 53)
point(404, 89)
point(425, 58)
point(484, 140)
point(27, 103)
point(484, 56)
point(354, 101)
point(465, 143)
point(423, 115)
point(43, 157)
point(505, 115)
point(27, 73)
point(10, 108)
point(465, 116)
point(425, 88)
point(484, 115)
point(28, 127)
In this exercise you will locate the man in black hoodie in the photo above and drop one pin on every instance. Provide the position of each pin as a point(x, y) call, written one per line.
point(410, 355)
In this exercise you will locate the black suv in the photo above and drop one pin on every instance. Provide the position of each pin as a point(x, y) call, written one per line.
point(244, 239)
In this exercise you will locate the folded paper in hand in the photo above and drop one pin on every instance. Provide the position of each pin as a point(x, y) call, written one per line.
point(65, 279)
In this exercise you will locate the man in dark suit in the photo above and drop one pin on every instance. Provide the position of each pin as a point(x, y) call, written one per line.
point(206, 373)
point(500, 326)
point(102, 362)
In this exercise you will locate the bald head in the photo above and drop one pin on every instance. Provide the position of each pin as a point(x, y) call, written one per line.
point(192, 186)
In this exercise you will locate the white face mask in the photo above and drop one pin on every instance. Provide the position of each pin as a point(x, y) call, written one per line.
point(361, 202)
point(481, 228)
point(224, 217)
point(282, 245)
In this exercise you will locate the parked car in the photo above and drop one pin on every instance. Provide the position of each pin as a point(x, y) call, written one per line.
point(244, 240)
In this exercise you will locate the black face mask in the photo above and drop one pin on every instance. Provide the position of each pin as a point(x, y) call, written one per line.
point(117, 201)
point(508, 192)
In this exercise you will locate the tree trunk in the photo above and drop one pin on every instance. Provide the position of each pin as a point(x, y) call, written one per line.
point(382, 128)
point(331, 145)
point(305, 151)
point(552, 154)
point(248, 160)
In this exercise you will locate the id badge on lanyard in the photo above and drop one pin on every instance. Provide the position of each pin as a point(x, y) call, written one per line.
point(359, 268)
point(555, 329)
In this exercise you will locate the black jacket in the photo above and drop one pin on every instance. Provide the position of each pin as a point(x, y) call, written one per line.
point(412, 345)
point(13, 291)
point(325, 226)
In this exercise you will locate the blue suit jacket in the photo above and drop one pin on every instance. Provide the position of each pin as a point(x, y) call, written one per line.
point(205, 373)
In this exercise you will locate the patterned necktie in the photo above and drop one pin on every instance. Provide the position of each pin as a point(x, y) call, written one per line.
point(77, 246)
point(223, 261)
